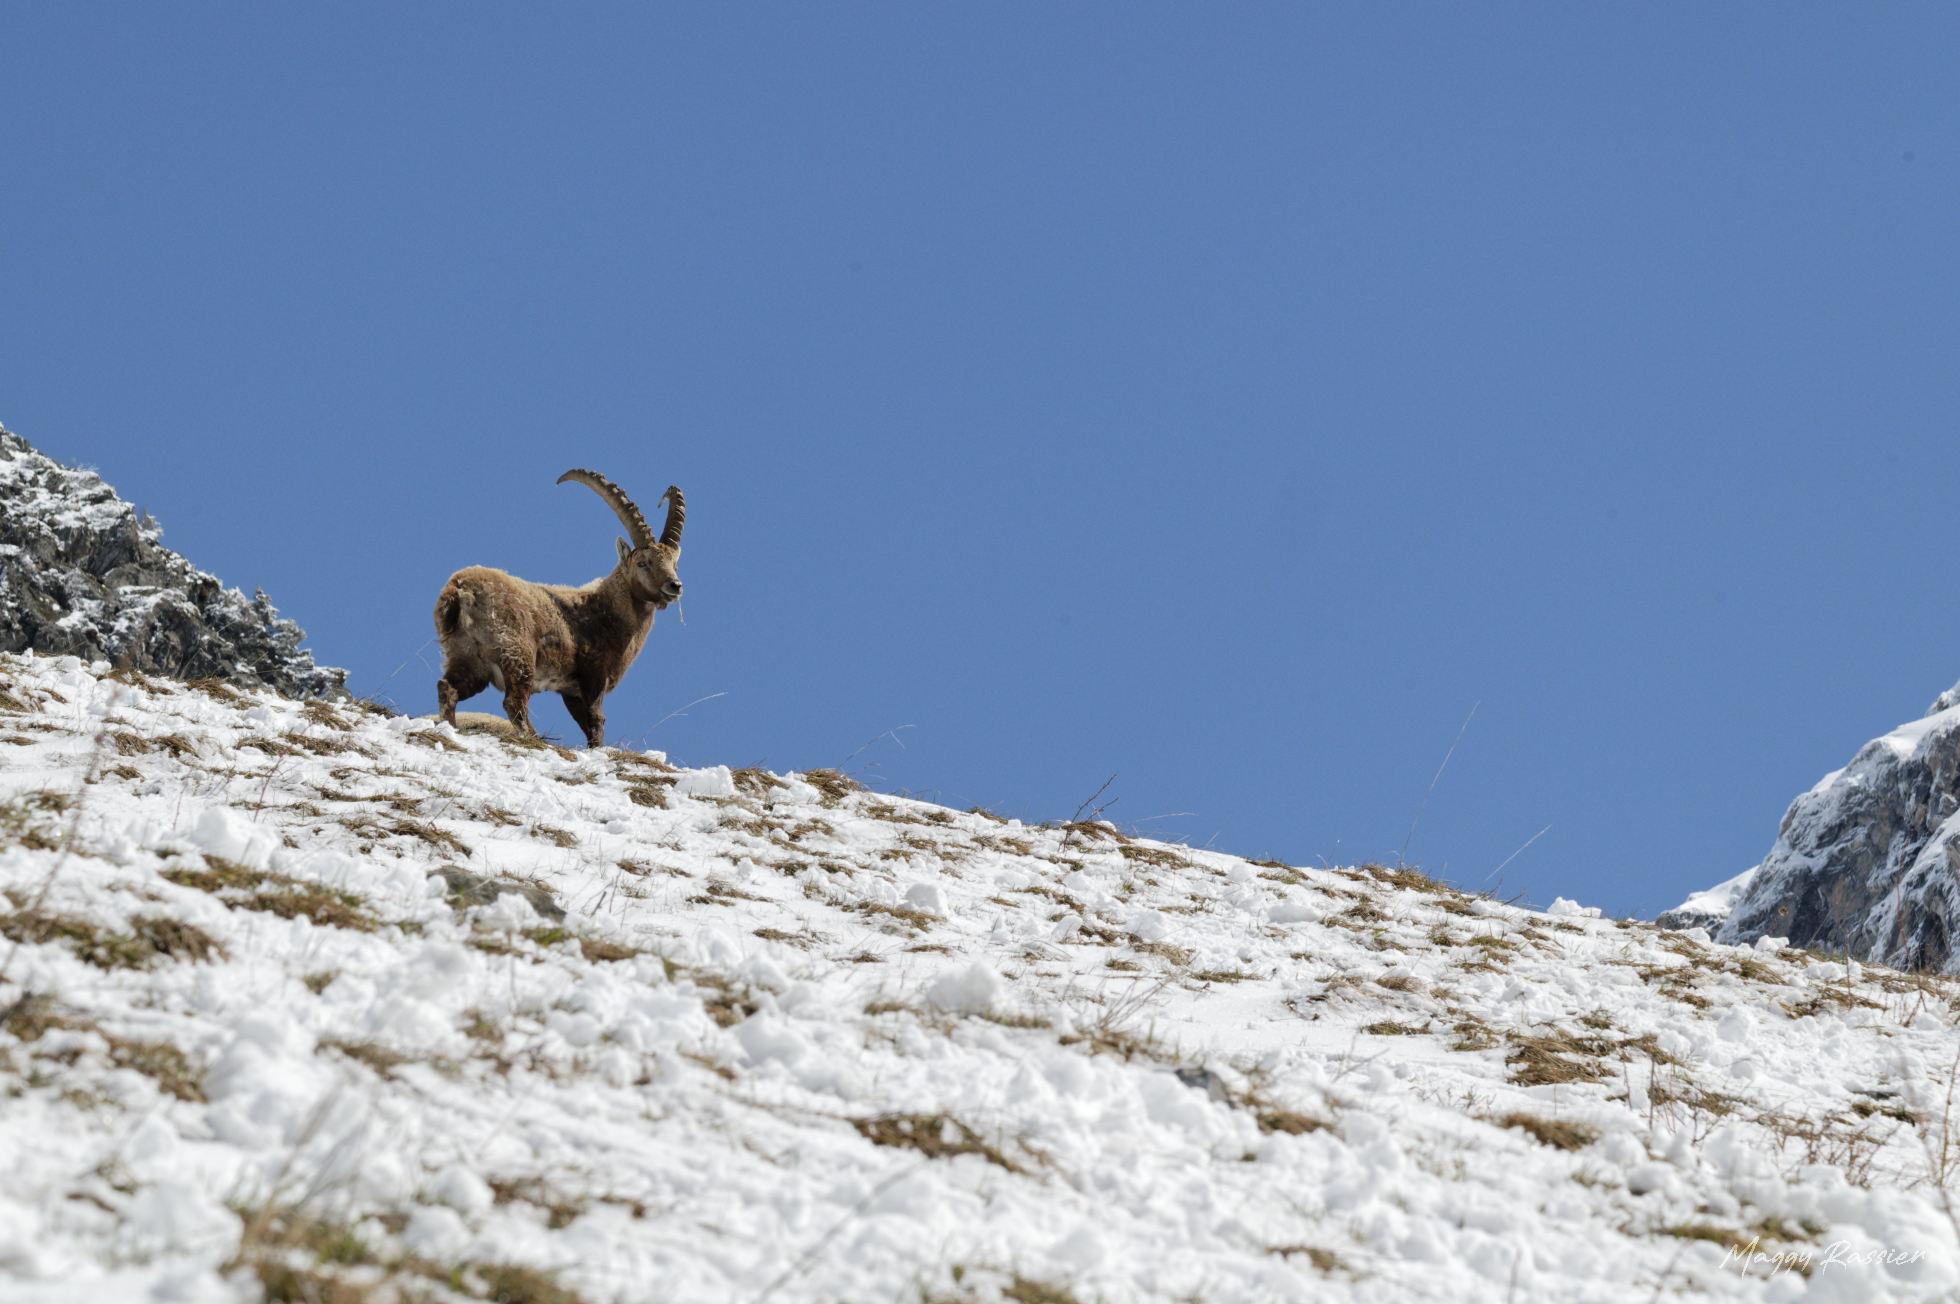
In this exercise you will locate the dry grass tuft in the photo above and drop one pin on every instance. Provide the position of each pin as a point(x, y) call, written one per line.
point(380, 1058)
point(1725, 1237)
point(1322, 1260)
point(1285, 1121)
point(134, 744)
point(909, 915)
point(162, 1063)
point(832, 785)
point(1560, 1134)
point(212, 686)
point(1094, 830)
point(650, 790)
point(1545, 1059)
point(1410, 878)
point(599, 950)
point(756, 782)
point(1028, 1290)
point(324, 715)
point(936, 1136)
point(1828, 998)
point(557, 837)
point(244, 888)
point(150, 939)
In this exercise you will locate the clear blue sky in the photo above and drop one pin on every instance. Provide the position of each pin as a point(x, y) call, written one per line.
point(1228, 397)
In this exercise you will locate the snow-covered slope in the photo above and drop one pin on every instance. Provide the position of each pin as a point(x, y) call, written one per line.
point(82, 572)
point(1865, 862)
point(288, 1006)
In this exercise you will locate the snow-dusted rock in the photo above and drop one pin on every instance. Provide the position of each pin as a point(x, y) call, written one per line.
point(82, 572)
point(1867, 862)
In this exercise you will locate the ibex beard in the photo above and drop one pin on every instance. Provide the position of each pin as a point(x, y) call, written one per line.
point(527, 638)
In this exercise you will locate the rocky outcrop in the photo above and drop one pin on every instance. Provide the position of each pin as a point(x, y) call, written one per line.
point(1867, 862)
point(1710, 907)
point(83, 573)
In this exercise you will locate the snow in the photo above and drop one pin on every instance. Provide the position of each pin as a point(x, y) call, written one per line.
point(796, 1042)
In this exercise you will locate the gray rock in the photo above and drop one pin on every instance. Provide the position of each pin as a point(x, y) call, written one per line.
point(466, 889)
point(83, 573)
point(1867, 862)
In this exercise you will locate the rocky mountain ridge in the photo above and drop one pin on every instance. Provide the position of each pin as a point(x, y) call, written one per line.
point(83, 573)
point(1866, 862)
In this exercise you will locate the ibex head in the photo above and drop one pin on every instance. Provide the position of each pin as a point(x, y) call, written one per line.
point(649, 563)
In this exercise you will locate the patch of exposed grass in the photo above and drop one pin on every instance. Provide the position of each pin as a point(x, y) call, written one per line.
point(161, 1062)
point(1363, 914)
point(1170, 951)
point(1390, 1028)
point(32, 1016)
point(148, 941)
point(1160, 857)
point(1285, 1121)
point(320, 744)
point(559, 1210)
point(1094, 830)
point(1548, 1058)
point(24, 821)
point(596, 949)
point(755, 781)
point(382, 1059)
point(1680, 1090)
point(1322, 1260)
point(1014, 1019)
point(299, 1259)
point(1725, 1237)
point(244, 888)
point(176, 745)
point(1473, 1034)
point(269, 745)
point(212, 686)
point(936, 1136)
point(1029, 1290)
point(1560, 1134)
point(910, 915)
point(650, 790)
point(557, 837)
point(726, 1001)
point(832, 785)
point(439, 838)
point(324, 715)
point(1828, 997)
point(1409, 878)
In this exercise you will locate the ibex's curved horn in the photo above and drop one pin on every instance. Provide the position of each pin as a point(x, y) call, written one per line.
point(676, 516)
point(629, 515)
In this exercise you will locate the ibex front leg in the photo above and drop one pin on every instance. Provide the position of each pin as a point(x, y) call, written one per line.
point(588, 715)
point(517, 699)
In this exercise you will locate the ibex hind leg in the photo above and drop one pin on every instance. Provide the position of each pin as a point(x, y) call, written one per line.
point(457, 684)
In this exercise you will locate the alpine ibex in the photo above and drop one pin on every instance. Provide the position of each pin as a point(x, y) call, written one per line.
point(537, 638)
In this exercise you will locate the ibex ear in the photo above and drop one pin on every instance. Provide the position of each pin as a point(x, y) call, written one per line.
point(623, 549)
